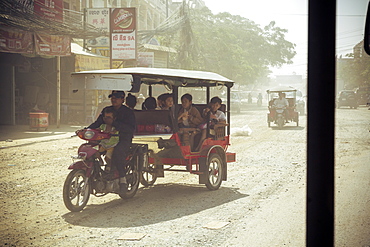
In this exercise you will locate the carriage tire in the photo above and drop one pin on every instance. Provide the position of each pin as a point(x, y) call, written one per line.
point(215, 171)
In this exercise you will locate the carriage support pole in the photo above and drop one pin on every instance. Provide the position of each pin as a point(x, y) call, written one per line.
point(228, 109)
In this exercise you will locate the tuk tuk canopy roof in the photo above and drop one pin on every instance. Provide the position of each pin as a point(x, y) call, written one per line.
point(281, 89)
point(138, 75)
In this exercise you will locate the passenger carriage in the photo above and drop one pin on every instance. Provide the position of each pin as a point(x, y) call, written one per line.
point(171, 148)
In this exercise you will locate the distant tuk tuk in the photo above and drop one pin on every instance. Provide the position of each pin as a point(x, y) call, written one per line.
point(169, 148)
point(280, 115)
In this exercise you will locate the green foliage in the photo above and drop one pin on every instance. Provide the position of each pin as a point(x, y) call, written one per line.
point(355, 72)
point(230, 45)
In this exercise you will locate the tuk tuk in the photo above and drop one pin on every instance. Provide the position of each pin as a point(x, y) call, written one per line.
point(167, 149)
point(278, 114)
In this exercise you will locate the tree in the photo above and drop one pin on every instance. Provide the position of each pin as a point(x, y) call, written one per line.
point(354, 70)
point(231, 45)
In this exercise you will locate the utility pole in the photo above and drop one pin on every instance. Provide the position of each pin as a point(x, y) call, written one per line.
point(58, 92)
point(168, 52)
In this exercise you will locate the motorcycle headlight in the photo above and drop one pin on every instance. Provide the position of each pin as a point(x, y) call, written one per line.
point(89, 134)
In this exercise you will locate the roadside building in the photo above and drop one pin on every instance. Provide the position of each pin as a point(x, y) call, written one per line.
point(38, 53)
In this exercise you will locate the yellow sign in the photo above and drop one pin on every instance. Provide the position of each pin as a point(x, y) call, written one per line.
point(83, 63)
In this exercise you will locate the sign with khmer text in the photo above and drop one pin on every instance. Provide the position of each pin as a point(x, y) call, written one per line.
point(49, 9)
point(99, 18)
point(123, 34)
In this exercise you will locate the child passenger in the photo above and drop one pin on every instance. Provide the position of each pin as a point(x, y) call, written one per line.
point(188, 117)
point(108, 144)
point(131, 101)
point(214, 116)
point(150, 103)
point(167, 102)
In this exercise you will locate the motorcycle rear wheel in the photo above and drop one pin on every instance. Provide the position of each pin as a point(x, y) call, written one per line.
point(76, 190)
point(133, 180)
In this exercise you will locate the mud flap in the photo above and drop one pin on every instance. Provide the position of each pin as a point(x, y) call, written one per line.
point(159, 171)
point(203, 177)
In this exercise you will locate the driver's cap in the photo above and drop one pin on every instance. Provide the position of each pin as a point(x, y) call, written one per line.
point(117, 94)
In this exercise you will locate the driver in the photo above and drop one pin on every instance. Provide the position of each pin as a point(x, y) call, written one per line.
point(125, 124)
point(282, 102)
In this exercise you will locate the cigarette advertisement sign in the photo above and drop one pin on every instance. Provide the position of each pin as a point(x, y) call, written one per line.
point(123, 33)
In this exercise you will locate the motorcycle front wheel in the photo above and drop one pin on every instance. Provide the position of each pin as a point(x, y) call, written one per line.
point(76, 190)
point(280, 122)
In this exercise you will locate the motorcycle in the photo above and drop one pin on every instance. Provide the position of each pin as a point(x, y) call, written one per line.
point(259, 102)
point(249, 99)
point(279, 117)
point(89, 175)
point(281, 114)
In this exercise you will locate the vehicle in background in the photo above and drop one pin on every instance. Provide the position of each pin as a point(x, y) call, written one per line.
point(300, 103)
point(363, 95)
point(259, 100)
point(347, 98)
point(235, 101)
point(278, 115)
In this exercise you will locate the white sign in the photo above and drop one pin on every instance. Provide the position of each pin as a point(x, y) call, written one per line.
point(124, 45)
point(99, 18)
point(146, 59)
point(102, 82)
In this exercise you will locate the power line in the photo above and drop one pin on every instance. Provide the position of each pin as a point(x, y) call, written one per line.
point(15, 14)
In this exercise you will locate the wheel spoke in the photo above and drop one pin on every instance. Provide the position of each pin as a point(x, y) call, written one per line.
point(213, 171)
point(76, 190)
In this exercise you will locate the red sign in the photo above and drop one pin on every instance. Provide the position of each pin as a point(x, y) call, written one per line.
point(49, 9)
point(16, 41)
point(52, 45)
point(123, 20)
point(123, 34)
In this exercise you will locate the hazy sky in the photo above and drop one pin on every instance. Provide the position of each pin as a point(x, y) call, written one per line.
point(292, 15)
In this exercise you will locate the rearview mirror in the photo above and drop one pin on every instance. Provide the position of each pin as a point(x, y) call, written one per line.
point(367, 31)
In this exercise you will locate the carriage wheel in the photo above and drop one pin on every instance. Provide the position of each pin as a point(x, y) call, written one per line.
point(148, 174)
point(215, 170)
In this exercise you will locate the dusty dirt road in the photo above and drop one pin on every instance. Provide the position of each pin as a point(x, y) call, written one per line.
point(262, 203)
